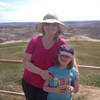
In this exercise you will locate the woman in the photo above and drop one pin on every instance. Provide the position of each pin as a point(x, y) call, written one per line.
point(39, 55)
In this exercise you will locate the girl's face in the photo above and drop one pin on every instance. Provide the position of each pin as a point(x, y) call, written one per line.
point(64, 60)
point(50, 28)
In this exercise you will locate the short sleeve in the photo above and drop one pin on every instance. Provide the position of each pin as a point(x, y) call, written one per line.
point(31, 46)
point(63, 41)
point(50, 68)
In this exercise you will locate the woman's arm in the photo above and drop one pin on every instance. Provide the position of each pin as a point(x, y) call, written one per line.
point(32, 68)
point(77, 81)
point(77, 70)
point(76, 66)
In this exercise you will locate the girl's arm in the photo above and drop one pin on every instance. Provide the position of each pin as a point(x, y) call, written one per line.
point(47, 88)
point(32, 68)
point(76, 85)
point(57, 90)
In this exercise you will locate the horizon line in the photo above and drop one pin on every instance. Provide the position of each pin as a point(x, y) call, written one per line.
point(61, 21)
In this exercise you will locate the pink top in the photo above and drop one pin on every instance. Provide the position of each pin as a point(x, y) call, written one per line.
point(41, 57)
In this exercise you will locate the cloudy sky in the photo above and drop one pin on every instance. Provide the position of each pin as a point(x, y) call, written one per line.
point(34, 10)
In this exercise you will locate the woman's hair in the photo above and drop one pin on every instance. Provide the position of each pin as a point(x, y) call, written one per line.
point(68, 66)
point(57, 34)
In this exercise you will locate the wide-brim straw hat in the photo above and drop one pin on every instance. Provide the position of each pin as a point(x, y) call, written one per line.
point(50, 18)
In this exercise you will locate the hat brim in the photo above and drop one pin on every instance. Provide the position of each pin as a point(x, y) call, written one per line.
point(66, 53)
point(61, 25)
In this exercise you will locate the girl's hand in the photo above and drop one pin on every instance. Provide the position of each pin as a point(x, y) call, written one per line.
point(45, 74)
point(60, 90)
point(70, 88)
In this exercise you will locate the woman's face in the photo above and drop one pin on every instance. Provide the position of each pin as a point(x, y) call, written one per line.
point(50, 28)
point(64, 59)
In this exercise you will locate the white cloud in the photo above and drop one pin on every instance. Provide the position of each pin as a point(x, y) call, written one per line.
point(65, 9)
point(4, 4)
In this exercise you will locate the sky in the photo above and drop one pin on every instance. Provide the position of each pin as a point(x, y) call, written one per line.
point(34, 10)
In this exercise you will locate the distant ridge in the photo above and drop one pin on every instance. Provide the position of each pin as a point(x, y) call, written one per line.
point(84, 30)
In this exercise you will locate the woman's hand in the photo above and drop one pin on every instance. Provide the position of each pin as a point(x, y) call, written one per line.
point(45, 74)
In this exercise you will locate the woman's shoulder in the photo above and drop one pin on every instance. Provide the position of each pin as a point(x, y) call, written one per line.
point(36, 37)
point(62, 41)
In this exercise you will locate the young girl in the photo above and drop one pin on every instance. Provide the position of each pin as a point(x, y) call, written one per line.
point(64, 75)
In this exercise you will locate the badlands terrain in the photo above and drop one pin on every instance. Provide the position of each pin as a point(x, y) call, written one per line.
point(77, 30)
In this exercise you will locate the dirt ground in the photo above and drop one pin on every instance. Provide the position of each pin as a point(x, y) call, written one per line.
point(88, 92)
point(85, 93)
